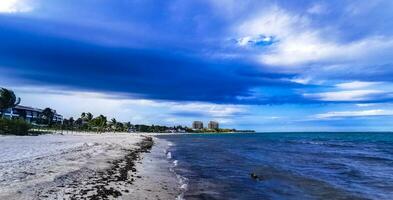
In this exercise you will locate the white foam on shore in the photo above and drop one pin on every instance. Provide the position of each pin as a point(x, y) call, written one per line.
point(182, 181)
point(171, 144)
point(156, 178)
point(169, 155)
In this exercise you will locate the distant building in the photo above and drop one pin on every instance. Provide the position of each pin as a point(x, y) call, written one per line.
point(197, 125)
point(213, 125)
point(181, 130)
point(31, 115)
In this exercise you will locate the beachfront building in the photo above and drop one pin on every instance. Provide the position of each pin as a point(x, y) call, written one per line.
point(213, 125)
point(197, 125)
point(31, 115)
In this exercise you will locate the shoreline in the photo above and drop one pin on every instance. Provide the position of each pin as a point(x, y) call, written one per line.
point(157, 180)
point(123, 166)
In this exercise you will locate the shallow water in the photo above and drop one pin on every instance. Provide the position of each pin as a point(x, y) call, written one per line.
point(289, 165)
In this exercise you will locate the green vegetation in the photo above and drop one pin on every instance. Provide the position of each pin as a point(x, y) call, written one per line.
point(87, 122)
point(14, 127)
point(100, 124)
point(47, 115)
point(7, 100)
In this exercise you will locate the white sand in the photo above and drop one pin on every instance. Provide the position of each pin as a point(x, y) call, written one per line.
point(37, 167)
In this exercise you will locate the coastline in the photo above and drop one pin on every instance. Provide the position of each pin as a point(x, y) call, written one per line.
point(83, 165)
point(157, 180)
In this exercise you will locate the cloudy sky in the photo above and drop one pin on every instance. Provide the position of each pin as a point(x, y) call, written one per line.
point(267, 65)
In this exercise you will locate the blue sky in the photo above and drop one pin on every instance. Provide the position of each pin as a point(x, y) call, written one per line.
point(278, 65)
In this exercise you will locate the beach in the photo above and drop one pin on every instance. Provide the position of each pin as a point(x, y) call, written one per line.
point(197, 166)
point(86, 166)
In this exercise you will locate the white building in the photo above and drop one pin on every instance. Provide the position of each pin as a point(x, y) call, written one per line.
point(197, 125)
point(213, 125)
point(31, 115)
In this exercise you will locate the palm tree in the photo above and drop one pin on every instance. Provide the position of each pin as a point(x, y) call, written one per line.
point(7, 100)
point(79, 122)
point(86, 118)
point(23, 114)
point(83, 115)
point(128, 126)
point(112, 124)
point(102, 122)
point(119, 126)
point(99, 122)
point(71, 121)
point(48, 114)
point(89, 116)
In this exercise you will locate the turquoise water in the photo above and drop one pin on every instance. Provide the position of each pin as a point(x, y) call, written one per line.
point(288, 165)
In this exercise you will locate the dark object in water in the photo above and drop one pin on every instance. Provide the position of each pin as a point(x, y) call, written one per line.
point(255, 176)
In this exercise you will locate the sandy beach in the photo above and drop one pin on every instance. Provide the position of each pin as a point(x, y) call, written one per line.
point(86, 166)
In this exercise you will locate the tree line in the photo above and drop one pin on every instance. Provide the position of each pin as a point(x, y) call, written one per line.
point(86, 121)
point(8, 100)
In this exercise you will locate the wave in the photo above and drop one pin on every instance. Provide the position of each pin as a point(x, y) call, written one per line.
point(171, 144)
point(324, 143)
point(169, 155)
point(183, 181)
point(301, 182)
point(372, 158)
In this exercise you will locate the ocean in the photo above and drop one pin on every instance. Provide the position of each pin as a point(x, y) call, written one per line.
point(284, 165)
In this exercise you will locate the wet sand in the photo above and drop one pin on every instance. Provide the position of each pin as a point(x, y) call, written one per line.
point(156, 181)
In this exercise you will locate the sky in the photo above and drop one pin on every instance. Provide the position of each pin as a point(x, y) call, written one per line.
point(267, 65)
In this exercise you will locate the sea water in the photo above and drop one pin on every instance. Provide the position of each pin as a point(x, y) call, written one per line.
point(285, 165)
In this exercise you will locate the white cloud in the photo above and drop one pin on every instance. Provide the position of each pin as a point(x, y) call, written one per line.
point(356, 84)
point(274, 21)
point(14, 6)
point(361, 7)
point(361, 113)
point(299, 44)
point(354, 91)
point(347, 95)
point(366, 104)
point(209, 109)
point(301, 80)
point(71, 103)
point(250, 41)
point(317, 9)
